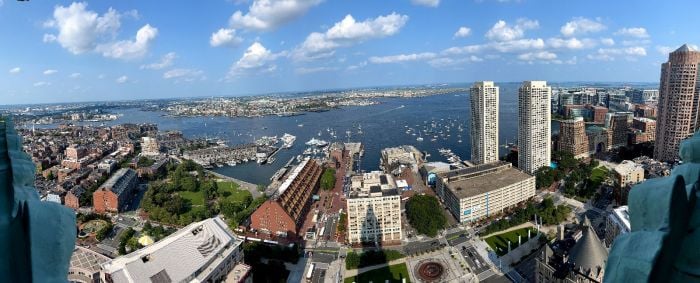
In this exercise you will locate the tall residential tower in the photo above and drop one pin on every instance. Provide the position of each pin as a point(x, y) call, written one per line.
point(484, 122)
point(534, 123)
point(679, 93)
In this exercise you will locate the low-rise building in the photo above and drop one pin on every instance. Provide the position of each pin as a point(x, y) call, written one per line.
point(642, 130)
point(204, 251)
point(481, 191)
point(85, 265)
point(72, 198)
point(617, 223)
point(150, 146)
point(115, 194)
point(394, 159)
point(628, 173)
point(374, 209)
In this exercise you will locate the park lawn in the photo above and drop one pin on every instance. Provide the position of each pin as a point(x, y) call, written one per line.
point(393, 273)
point(499, 243)
point(232, 191)
point(598, 175)
point(195, 198)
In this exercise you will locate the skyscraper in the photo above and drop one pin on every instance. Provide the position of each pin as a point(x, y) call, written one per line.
point(534, 123)
point(484, 122)
point(572, 137)
point(678, 102)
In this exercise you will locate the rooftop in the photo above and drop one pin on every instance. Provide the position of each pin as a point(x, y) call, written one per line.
point(484, 178)
point(293, 175)
point(113, 183)
point(685, 48)
point(87, 260)
point(627, 167)
point(622, 216)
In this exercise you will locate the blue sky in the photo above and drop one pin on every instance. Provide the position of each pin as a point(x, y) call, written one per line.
point(109, 50)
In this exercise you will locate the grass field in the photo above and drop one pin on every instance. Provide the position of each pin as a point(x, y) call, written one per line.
point(499, 243)
point(232, 191)
point(93, 226)
point(393, 273)
point(598, 175)
point(195, 198)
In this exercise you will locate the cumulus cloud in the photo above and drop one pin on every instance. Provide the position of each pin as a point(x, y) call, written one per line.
point(186, 75)
point(502, 31)
point(80, 30)
point(15, 70)
point(581, 25)
point(40, 84)
point(225, 37)
point(427, 3)
point(165, 61)
point(637, 32)
point(348, 32)
point(607, 41)
point(571, 43)
point(50, 72)
point(130, 49)
point(357, 66)
point(535, 56)
point(265, 15)
point(402, 58)
point(122, 79)
point(446, 62)
point(256, 59)
point(609, 54)
point(462, 32)
point(75, 75)
point(311, 70)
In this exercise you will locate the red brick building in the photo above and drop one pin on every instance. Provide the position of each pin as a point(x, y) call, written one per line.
point(72, 198)
point(643, 130)
point(285, 212)
point(115, 194)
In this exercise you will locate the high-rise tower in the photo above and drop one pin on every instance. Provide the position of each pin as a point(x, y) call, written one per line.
point(679, 93)
point(484, 122)
point(534, 125)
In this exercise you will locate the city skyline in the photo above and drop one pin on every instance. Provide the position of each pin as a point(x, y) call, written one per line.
point(95, 51)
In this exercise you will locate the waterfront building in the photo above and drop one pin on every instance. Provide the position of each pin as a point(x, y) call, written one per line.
point(374, 209)
point(573, 261)
point(628, 173)
point(617, 223)
point(534, 126)
point(618, 124)
point(484, 122)
point(204, 251)
point(474, 193)
point(85, 265)
point(678, 106)
point(598, 139)
point(591, 113)
point(643, 130)
point(284, 212)
point(116, 193)
point(395, 159)
point(572, 137)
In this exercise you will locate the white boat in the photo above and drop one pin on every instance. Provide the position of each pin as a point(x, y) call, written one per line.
point(419, 138)
point(300, 125)
point(288, 140)
point(316, 142)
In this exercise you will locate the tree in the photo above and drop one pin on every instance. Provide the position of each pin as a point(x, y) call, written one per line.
point(145, 162)
point(425, 214)
point(328, 179)
point(104, 231)
point(545, 177)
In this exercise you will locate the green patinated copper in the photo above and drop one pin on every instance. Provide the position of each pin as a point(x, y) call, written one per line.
point(36, 238)
point(664, 242)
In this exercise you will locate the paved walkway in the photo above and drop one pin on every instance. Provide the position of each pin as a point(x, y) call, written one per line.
point(524, 225)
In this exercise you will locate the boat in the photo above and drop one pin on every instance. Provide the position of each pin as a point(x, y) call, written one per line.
point(316, 142)
point(288, 140)
point(419, 138)
point(300, 125)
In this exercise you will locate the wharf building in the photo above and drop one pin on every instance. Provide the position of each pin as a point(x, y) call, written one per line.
point(484, 122)
point(205, 251)
point(116, 193)
point(374, 209)
point(573, 138)
point(679, 102)
point(283, 214)
point(395, 159)
point(534, 126)
point(478, 192)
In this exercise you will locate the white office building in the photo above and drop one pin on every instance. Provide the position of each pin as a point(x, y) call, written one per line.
point(484, 122)
point(374, 209)
point(534, 126)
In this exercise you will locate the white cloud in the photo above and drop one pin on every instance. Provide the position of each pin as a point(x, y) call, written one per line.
point(402, 58)
point(358, 66)
point(536, 56)
point(462, 32)
point(256, 59)
point(581, 25)
point(636, 42)
point(637, 32)
point(50, 72)
point(571, 43)
point(608, 54)
point(130, 49)
point(518, 45)
point(165, 61)
point(446, 62)
point(427, 3)
point(348, 32)
point(15, 70)
point(664, 50)
point(607, 41)
point(265, 15)
point(40, 84)
point(502, 31)
point(304, 70)
point(122, 79)
point(75, 75)
point(187, 75)
point(225, 37)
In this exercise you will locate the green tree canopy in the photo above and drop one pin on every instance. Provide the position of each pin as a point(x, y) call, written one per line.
point(425, 215)
point(328, 179)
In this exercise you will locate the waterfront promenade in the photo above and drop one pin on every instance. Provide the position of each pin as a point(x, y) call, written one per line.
point(252, 188)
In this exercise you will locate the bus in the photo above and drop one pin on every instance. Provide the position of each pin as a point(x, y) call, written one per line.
point(311, 272)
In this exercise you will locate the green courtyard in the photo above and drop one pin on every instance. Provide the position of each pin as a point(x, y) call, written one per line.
point(393, 273)
point(499, 243)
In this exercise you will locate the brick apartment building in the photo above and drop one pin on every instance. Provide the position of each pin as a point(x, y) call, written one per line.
point(116, 192)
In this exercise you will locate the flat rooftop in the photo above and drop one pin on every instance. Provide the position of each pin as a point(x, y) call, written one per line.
point(482, 179)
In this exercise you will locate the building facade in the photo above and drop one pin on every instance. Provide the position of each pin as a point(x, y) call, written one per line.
point(619, 125)
point(484, 122)
point(150, 146)
point(374, 209)
point(474, 193)
point(643, 130)
point(628, 173)
point(572, 137)
point(116, 193)
point(679, 99)
point(534, 126)
point(617, 223)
